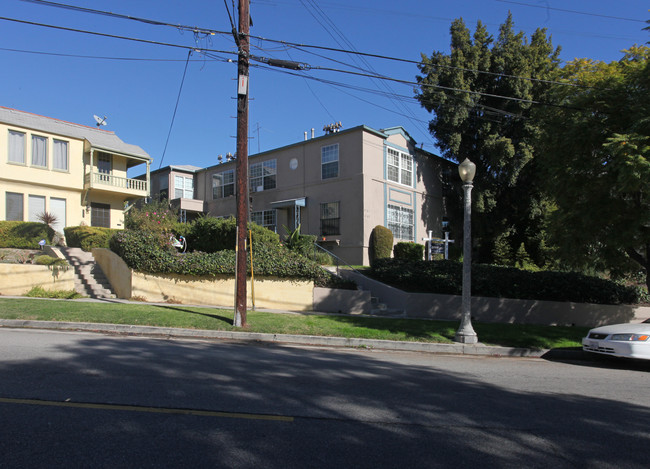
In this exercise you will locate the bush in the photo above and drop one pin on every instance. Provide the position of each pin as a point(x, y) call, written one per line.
point(154, 216)
point(151, 252)
point(88, 237)
point(409, 251)
point(381, 243)
point(446, 277)
point(49, 260)
point(210, 234)
point(24, 235)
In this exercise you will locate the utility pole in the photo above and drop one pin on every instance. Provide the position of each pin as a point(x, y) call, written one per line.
point(242, 161)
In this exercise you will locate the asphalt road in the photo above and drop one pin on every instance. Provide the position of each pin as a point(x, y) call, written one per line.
point(71, 399)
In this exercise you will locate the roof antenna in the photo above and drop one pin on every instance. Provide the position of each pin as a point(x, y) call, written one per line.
point(100, 121)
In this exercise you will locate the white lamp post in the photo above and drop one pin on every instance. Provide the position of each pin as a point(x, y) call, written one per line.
point(465, 333)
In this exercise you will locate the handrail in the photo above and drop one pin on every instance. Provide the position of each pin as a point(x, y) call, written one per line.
point(337, 258)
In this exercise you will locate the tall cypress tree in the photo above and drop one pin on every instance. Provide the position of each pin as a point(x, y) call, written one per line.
point(482, 96)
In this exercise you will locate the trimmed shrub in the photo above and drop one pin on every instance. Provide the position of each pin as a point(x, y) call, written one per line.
point(210, 234)
point(381, 243)
point(49, 260)
point(88, 237)
point(24, 235)
point(151, 252)
point(446, 277)
point(409, 251)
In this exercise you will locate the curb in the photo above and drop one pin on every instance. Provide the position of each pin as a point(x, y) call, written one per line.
point(342, 342)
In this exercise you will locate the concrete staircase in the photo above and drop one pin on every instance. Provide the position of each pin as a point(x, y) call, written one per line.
point(89, 279)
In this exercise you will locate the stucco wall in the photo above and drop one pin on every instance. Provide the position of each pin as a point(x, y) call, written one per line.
point(271, 293)
point(18, 279)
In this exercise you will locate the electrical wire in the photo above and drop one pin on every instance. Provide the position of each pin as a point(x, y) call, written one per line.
point(178, 98)
point(113, 36)
point(571, 11)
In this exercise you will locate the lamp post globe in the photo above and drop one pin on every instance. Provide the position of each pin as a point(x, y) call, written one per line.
point(465, 333)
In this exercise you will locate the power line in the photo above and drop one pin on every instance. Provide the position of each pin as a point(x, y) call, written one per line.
point(178, 98)
point(99, 57)
point(546, 7)
point(64, 6)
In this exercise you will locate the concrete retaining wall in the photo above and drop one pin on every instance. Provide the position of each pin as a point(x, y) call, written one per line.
point(500, 310)
point(18, 279)
point(329, 300)
point(271, 293)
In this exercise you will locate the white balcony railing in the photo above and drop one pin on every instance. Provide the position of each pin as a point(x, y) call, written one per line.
point(102, 179)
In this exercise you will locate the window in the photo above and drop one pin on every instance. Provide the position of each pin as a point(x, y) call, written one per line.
point(223, 184)
point(262, 176)
point(104, 166)
point(39, 151)
point(265, 218)
point(58, 209)
point(330, 219)
point(60, 159)
point(399, 167)
point(183, 187)
point(36, 206)
point(100, 215)
point(14, 206)
point(401, 222)
point(329, 159)
point(16, 147)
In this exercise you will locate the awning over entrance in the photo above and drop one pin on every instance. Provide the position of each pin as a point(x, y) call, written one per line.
point(292, 203)
point(301, 202)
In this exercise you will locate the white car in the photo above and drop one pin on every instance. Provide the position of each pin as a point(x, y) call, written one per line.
point(620, 340)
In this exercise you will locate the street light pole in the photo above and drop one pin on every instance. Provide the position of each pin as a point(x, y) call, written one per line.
point(465, 333)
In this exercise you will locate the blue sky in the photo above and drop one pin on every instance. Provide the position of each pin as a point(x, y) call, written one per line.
point(44, 73)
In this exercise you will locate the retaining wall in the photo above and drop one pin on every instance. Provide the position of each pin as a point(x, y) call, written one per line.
point(18, 279)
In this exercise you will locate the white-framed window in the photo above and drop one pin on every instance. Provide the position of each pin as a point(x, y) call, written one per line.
point(265, 218)
point(58, 209)
point(104, 166)
point(14, 208)
point(183, 187)
point(39, 151)
point(35, 206)
point(16, 147)
point(329, 160)
point(330, 218)
point(60, 156)
point(399, 167)
point(223, 184)
point(401, 222)
point(261, 176)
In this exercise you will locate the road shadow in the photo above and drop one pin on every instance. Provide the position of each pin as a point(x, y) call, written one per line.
point(350, 409)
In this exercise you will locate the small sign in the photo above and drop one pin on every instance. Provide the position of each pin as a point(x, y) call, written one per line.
point(437, 248)
point(242, 89)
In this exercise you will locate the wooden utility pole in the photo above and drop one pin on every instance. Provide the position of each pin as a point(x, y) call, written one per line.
point(242, 161)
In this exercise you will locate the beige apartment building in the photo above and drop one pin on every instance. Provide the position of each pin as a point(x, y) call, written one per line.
point(76, 172)
point(338, 186)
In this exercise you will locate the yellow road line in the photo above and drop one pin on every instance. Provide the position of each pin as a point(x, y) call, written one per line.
point(153, 410)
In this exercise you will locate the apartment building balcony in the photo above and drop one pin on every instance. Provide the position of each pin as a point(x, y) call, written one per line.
point(118, 184)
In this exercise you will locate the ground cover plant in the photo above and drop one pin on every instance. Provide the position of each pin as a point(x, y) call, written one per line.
point(180, 316)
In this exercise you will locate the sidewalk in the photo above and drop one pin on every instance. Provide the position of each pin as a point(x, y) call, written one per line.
point(287, 339)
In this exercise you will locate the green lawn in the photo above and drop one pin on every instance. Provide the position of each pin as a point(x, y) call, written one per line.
point(181, 316)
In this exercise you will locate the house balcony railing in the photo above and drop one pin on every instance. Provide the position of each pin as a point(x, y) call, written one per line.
point(97, 180)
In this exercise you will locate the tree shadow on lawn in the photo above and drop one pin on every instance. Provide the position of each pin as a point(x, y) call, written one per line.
point(207, 315)
point(507, 335)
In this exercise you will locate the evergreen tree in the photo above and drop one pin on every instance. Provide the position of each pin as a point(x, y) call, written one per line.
point(464, 90)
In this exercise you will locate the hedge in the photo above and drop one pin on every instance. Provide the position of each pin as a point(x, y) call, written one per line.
point(446, 277)
point(150, 252)
point(88, 237)
point(408, 251)
point(381, 243)
point(24, 235)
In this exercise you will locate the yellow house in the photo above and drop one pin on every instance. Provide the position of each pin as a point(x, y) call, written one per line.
point(75, 172)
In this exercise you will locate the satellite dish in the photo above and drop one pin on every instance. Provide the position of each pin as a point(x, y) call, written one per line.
point(100, 120)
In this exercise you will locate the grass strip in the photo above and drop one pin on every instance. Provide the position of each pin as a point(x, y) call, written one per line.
point(181, 316)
